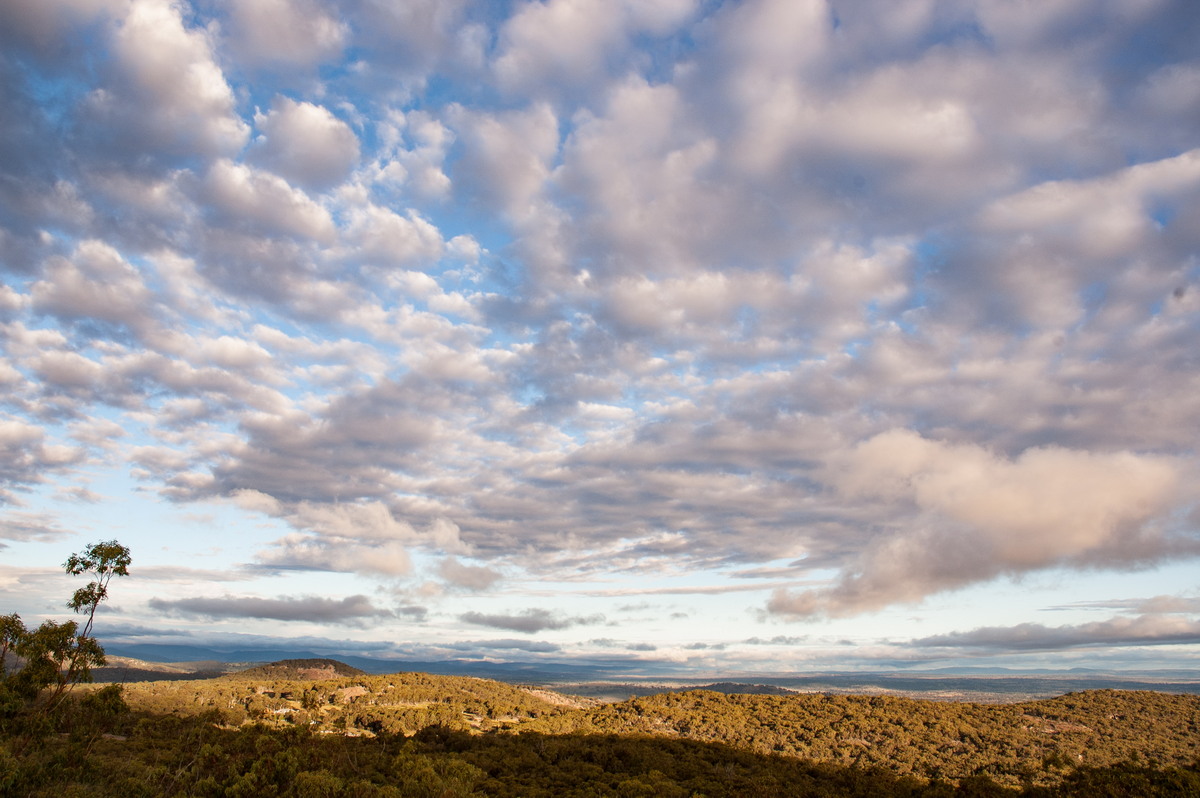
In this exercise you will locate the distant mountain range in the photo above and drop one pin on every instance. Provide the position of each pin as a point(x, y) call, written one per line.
point(616, 680)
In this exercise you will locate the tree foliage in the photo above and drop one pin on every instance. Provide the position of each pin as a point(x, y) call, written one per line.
point(104, 560)
point(38, 666)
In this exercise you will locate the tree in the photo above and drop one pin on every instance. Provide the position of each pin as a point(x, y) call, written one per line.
point(106, 560)
point(59, 655)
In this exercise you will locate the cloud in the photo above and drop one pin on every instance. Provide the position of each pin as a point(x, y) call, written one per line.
point(677, 298)
point(284, 34)
point(165, 92)
point(362, 537)
point(532, 646)
point(777, 640)
point(530, 621)
point(965, 515)
point(25, 458)
point(305, 143)
point(95, 285)
point(1143, 630)
point(471, 577)
point(25, 526)
point(243, 195)
point(405, 41)
point(414, 612)
point(386, 239)
point(344, 554)
point(573, 42)
point(313, 609)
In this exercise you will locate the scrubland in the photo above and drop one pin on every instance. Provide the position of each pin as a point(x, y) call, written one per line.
point(275, 732)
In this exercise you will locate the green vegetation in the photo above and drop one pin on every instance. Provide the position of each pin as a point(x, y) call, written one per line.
point(362, 705)
point(201, 739)
point(56, 656)
point(1033, 742)
point(412, 734)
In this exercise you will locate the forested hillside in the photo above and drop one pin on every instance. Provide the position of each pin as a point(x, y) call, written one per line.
point(419, 735)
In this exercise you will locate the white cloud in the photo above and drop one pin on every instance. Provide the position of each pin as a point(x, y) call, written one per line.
point(95, 283)
point(245, 194)
point(166, 93)
point(388, 559)
point(305, 143)
point(509, 156)
point(1103, 217)
point(960, 514)
point(386, 239)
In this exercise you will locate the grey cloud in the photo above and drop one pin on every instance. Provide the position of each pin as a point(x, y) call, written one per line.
point(80, 494)
point(314, 609)
point(530, 621)
point(1140, 630)
point(555, 47)
point(608, 642)
point(777, 640)
point(26, 457)
point(95, 286)
point(26, 526)
point(119, 630)
point(407, 41)
point(285, 37)
point(364, 441)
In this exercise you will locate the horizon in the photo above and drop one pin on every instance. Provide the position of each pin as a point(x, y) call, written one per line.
point(687, 336)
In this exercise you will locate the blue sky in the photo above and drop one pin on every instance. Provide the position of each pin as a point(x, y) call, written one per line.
point(713, 336)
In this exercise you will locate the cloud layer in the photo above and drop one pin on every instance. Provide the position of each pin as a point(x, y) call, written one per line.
point(454, 299)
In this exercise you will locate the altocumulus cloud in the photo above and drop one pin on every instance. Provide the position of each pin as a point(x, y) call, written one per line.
point(315, 609)
point(796, 309)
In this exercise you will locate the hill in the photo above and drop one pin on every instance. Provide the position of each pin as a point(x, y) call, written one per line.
point(1012, 743)
point(1009, 742)
point(301, 670)
point(358, 704)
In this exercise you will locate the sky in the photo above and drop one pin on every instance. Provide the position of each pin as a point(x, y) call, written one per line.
point(713, 337)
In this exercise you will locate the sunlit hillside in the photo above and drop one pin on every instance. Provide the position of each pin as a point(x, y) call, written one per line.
point(276, 730)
